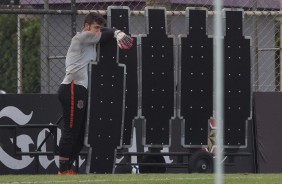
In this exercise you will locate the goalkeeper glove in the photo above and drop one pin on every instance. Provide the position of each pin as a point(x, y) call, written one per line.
point(124, 41)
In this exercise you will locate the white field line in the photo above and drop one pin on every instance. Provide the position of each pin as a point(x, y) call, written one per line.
point(129, 180)
point(108, 180)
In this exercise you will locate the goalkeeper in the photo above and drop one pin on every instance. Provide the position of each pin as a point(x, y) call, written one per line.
point(73, 90)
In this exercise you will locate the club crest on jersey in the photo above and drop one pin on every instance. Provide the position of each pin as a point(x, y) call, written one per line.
point(80, 104)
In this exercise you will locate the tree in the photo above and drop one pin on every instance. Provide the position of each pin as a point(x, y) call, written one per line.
point(8, 54)
point(31, 56)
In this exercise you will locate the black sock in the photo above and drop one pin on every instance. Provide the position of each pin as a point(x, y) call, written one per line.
point(63, 165)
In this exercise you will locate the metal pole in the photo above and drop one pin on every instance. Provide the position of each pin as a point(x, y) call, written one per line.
point(46, 43)
point(218, 88)
point(19, 57)
point(73, 17)
point(280, 47)
point(256, 62)
point(103, 12)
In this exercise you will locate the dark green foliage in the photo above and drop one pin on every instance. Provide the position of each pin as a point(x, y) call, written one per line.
point(8, 53)
point(30, 54)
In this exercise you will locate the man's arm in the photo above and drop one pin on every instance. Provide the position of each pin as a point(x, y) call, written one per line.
point(124, 41)
point(107, 34)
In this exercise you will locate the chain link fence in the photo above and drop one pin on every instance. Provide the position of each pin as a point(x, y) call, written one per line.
point(35, 35)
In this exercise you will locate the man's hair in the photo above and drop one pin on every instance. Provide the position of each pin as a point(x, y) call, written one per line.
point(92, 18)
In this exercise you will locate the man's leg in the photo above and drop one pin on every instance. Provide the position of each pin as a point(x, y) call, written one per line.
point(66, 97)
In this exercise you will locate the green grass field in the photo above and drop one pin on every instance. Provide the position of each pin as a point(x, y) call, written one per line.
point(143, 178)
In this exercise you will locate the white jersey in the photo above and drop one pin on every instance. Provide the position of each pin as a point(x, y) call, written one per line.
point(80, 53)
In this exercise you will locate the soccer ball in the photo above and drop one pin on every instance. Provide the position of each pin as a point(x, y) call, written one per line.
point(135, 169)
